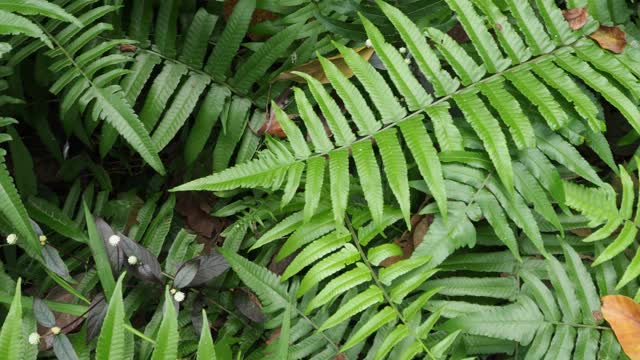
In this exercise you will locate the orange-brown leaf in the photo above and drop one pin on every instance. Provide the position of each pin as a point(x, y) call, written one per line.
point(576, 17)
point(611, 38)
point(314, 68)
point(272, 126)
point(624, 316)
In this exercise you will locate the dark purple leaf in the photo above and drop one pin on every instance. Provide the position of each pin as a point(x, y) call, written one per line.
point(209, 267)
point(63, 349)
point(114, 253)
point(95, 317)
point(36, 227)
point(54, 262)
point(43, 315)
point(196, 315)
point(185, 274)
point(248, 304)
point(148, 267)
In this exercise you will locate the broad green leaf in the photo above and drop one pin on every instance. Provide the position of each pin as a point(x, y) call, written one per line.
point(111, 342)
point(11, 337)
point(206, 350)
point(167, 339)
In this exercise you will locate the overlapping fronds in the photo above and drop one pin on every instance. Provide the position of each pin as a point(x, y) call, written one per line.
point(540, 90)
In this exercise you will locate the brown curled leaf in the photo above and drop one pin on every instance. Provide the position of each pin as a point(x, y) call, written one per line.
point(623, 314)
point(576, 17)
point(611, 38)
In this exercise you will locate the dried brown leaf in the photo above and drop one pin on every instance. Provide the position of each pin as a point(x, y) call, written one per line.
point(576, 17)
point(624, 316)
point(611, 38)
point(314, 68)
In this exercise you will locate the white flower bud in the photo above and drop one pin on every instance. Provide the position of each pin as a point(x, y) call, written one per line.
point(55, 330)
point(11, 239)
point(173, 291)
point(178, 296)
point(403, 50)
point(43, 239)
point(114, 240)
point(407, 61)
point(34, 338)
point(132, 260)
point(368, 43)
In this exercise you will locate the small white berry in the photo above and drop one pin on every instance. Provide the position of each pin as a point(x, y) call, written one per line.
point(114, 240)
point(178, 296)
point(368, 43)
point(403, 50)
point(55, 330)
point(132, 260)
point(11, 239)
point(34, 338)
point(407, 61)
point(43, 239)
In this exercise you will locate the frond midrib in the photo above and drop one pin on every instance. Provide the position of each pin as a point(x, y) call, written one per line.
point(559, 50)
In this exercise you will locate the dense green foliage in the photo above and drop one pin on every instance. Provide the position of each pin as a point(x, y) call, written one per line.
point(243, 180)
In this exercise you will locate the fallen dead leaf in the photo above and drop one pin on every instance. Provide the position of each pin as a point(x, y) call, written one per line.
point(576, 17)
point(259, 15)
point(623, 314)
point(314, 68)
point(272, 126)
point(459, 34)
point(611, 38)
point(195, 207)
point(410, 239)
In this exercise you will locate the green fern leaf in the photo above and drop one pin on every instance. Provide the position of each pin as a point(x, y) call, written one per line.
point(161, 90)
point(395, 168)
point(425, 156)
point(586, 290)
point(509, 39)
point(315, 179)
point(13, 24)
point(488, 129)
point(555, 23)
point(263, 282)
point(327, 267)
point(408, 86)
point(357, 304)
point(377, 89)
point(354, 102)
point(337, 122)
point(518, 322)
point(531, 27)
point(209, 113)
point(183, 104)
point(39, 7)
point(117, 112)
point(369, 174)
point(425, 57)
point(463, 64)
point(496, 217)
point(339, 178)
point(229, 42)
point(312, 122)
point(383, 317)
point(195, 48)
point(339, 285)
point(479, 35)
point(510, 112)
point(258, 63)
